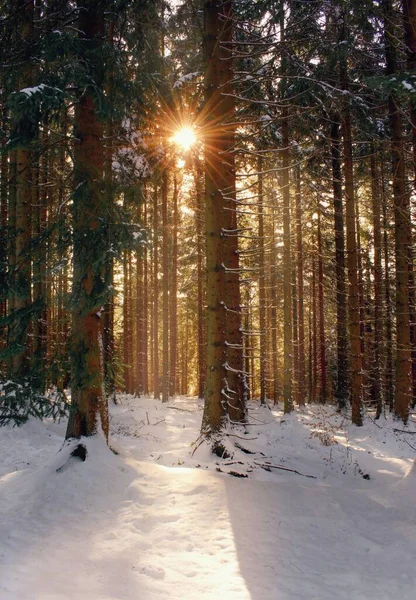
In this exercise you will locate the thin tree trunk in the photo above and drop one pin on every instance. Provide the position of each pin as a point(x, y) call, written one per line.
point(314, 338)
point(378, 289)
point(389, 379)
point(156, 388)
point(262, 283)
point(301, 311)
point(352, 258)
point(287, 283)
point(199, 222)
point(341, 390)
point(322, 344)
point(165, 289)
point(174, 292)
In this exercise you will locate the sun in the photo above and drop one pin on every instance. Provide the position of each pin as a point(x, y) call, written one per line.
point(184, 138)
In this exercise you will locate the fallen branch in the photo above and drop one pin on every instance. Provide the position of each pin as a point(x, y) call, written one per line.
point(240, 437)
point(404, 431)
point(184, 409)
point(233, 473)
point(268, 466)
point(412, 447)
point(198, 442)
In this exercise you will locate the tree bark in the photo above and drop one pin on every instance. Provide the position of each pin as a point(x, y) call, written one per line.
point(341, 390)
point(89, 410)
point(403, 385)
point(352, 258)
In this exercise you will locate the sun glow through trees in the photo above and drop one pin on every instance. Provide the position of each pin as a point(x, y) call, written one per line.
point(185, 138)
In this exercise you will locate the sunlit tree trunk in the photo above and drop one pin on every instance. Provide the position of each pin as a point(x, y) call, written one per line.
point(165, 289)
point(108, 314)
point(215, 408)
point(403, 383)
point(235, 378)
point(314, 324)
point(341, 390)
point(262, 284)
point(89, 410)
point(322, 343)
point(287, 268)
point(174, 292)
point(300, 286)
point(199, 222)
point(224, 381)
point(273, 311)
point(145, 349)
point(156, 388)
point(378, 290)
point(389, 377)
point(352, 256)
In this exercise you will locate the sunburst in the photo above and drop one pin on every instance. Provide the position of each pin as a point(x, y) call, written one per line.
point(185, 138)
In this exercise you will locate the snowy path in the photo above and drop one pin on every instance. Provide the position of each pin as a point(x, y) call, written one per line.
point(153, 522)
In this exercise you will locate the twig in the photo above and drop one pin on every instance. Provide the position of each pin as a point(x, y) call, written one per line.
point(233, 473)
point(240, 437)
point(270, 466)
point(404, 431)
point(184, 409)
point(374, 421)
point(412, 447)
point(245, 450)
point(197, 444)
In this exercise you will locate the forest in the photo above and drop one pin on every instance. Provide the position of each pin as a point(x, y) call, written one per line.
point(227, 207)
point(207, 209)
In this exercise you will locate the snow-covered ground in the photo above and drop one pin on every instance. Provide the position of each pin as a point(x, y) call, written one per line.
point(160, 518)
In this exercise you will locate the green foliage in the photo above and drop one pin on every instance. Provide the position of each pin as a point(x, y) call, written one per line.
point(18, 402)
point(402, 85)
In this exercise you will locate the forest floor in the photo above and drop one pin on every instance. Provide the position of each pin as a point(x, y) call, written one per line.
point(160, 518)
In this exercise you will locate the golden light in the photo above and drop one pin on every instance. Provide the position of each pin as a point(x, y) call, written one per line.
point(185, 138)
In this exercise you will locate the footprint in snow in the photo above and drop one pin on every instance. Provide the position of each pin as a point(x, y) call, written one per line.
point(151, 571)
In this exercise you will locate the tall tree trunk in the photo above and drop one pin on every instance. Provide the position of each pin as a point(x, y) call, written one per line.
point(22, 288)
point(389, 378)
point(145, 349)
point(378, 290)
point(199, 222)
point(215, 408)
point(273, 311)
point(301, 311)
point(156, 387)
point(224, 380)
point(174, 292)
point(235, 388)
point(314, 338)
point(322, 344)
point(262, 283)
point(89, 410)
point(4, 216)
point(287, 279)
point(165, 289)
point(409, 20)
point(341, 390)
point(402, 230)
point(108, 314)
point(352, 257)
